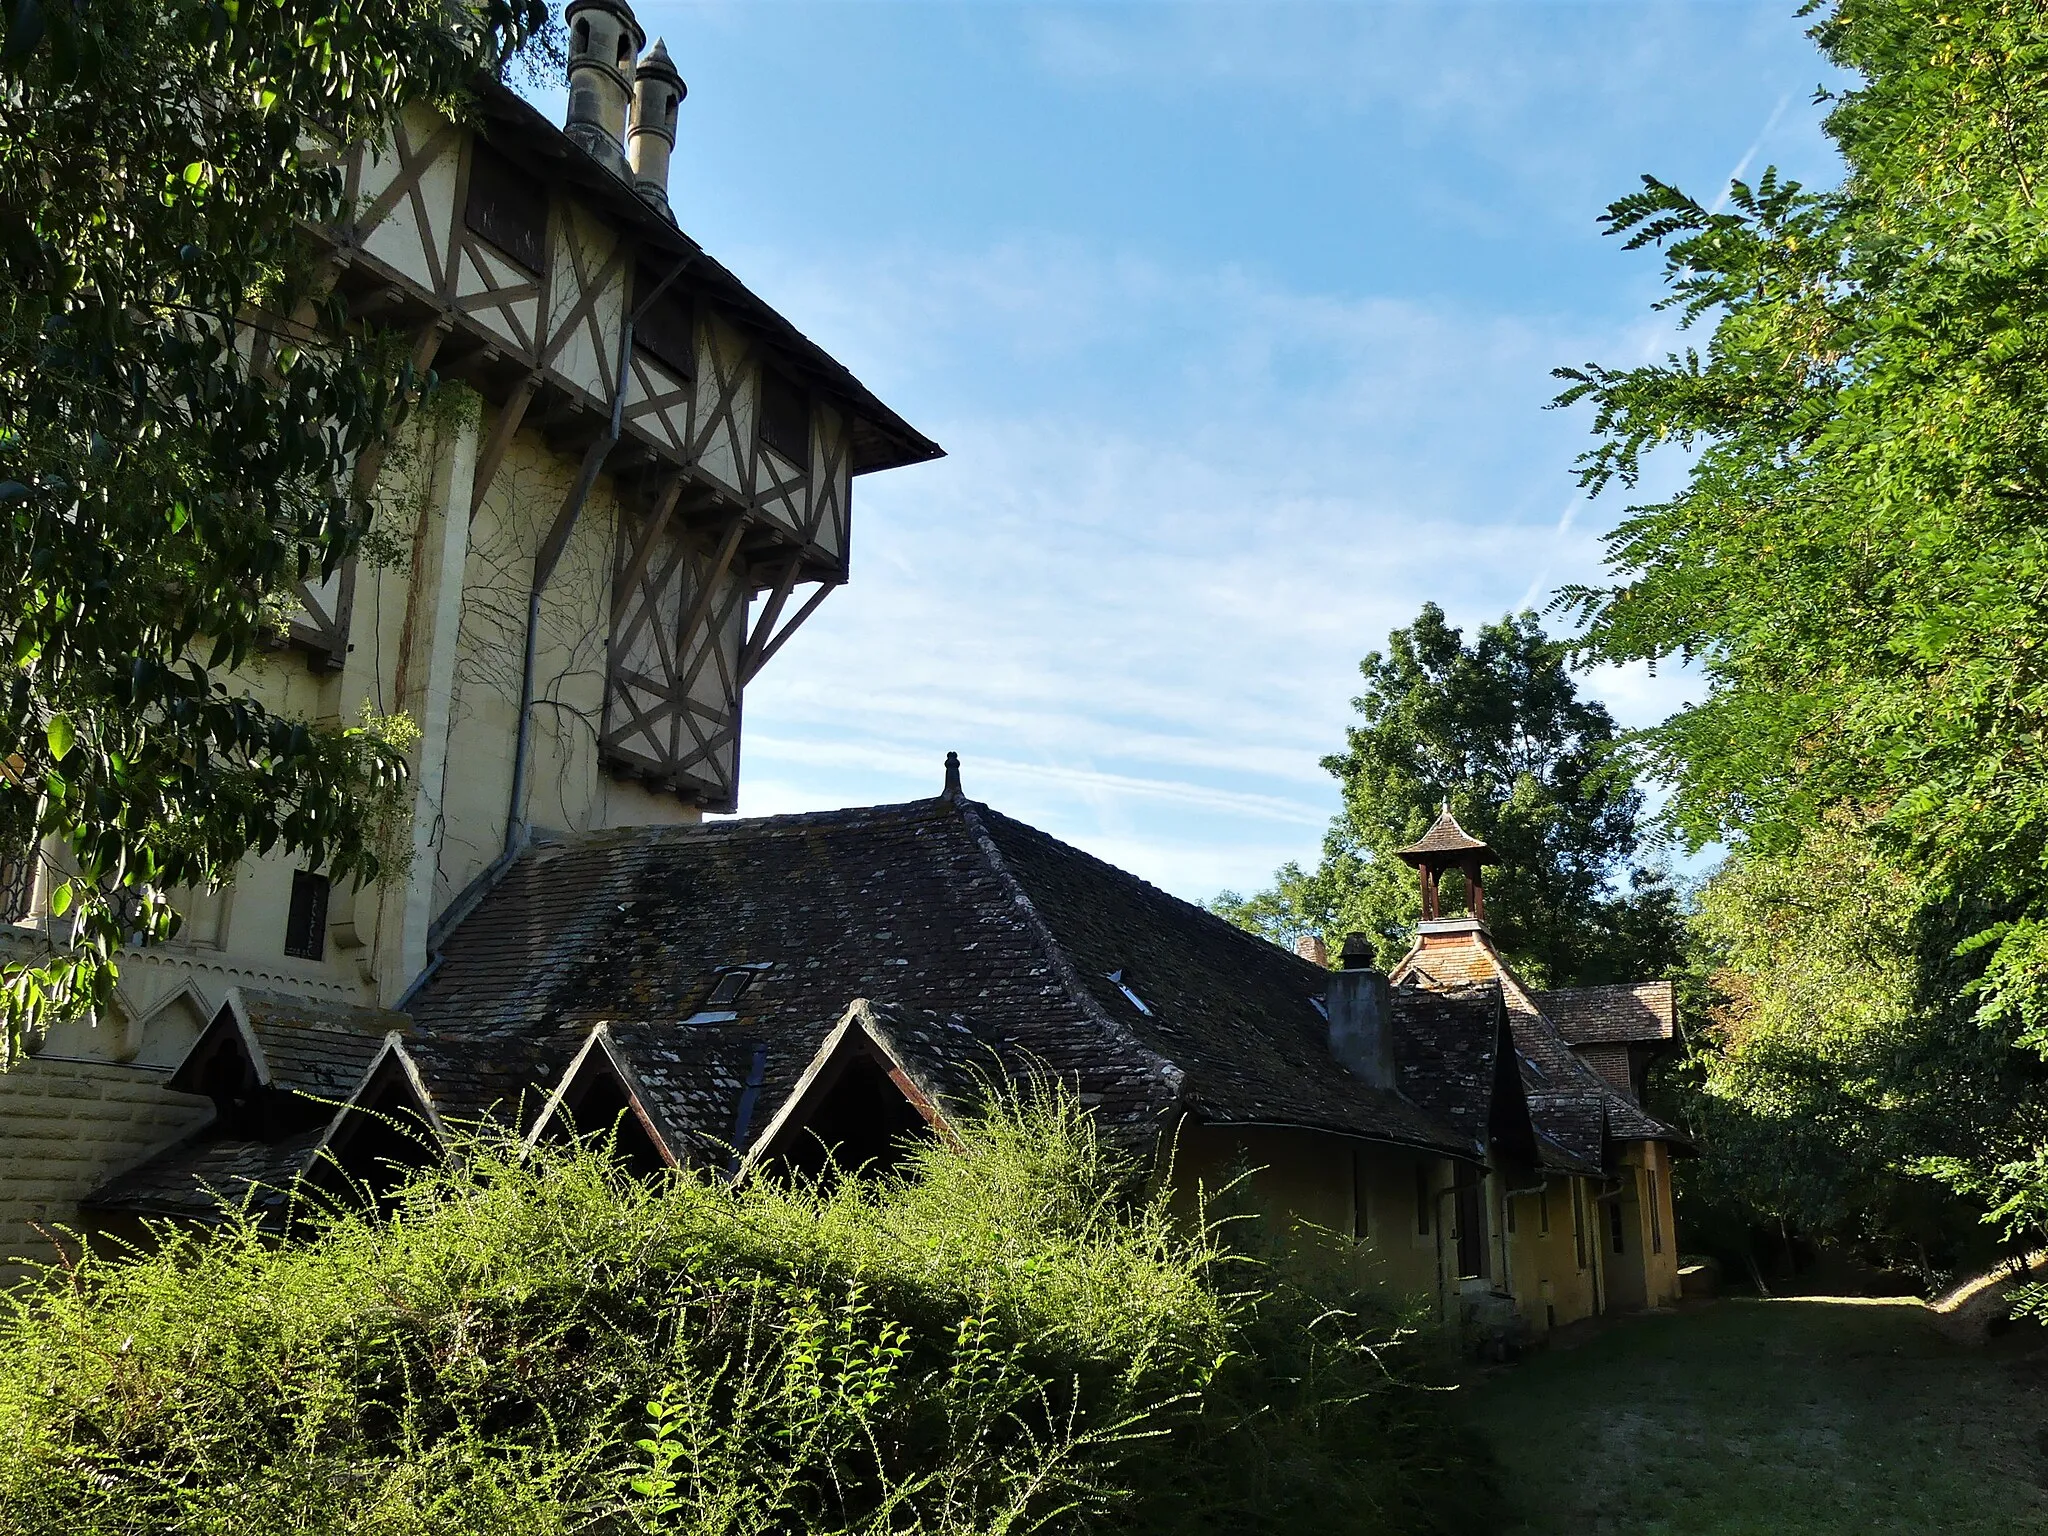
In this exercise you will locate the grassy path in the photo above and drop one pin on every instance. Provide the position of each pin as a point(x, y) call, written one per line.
point(1812, 1417)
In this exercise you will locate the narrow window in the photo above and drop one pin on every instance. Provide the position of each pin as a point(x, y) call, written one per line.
point(1361, 1227)
point(1543, 1209)
point(785, 418)
point(17, 888)
point(507, 207)
point(1579, 1222)
point(1422, 1199)
point(663, 329)
point(1508, 1206)
point(1656, 1217)
point(1614, 1225)
point(305, 925)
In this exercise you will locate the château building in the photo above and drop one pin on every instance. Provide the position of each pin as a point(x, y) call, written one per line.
point(644, 485)
point(643, 488)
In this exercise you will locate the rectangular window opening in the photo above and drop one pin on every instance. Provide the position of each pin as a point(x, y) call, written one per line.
point(785, 418)
point(1656, 1217)
point(1614, 1225)
point(664, 329)
point(728, 988)
point(1579, 1222)
point(17, 888)
point(1422, 1200)
point(1543, 1210)
point(507, 207)
point(1508, 1207)
point(305, 924)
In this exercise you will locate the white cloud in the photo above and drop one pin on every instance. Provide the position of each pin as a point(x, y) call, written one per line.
point(1141, 626)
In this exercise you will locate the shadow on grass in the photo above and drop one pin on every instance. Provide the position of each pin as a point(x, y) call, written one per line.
point(1796, 1417)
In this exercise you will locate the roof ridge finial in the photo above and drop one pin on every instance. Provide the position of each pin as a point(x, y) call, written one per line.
point(952, 790)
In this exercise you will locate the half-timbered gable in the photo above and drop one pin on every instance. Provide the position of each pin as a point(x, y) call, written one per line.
point(632, 490)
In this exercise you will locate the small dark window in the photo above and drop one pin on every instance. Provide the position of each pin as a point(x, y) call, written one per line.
point(1614, 1225)
point(662, 329)
point(727, 989)
point(1543, 1210)
point(1579, 1222)
point(305, 926)
point(582, 44)
point(507, 207)
point(785, 418)
point(1656, 1217)
point(17, 887)
point(1508, 1206)
point(1423, 1197)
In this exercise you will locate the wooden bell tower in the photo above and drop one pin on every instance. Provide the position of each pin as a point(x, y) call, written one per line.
point(1446, 845)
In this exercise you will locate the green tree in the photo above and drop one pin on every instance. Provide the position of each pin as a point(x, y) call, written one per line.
point(182, 405)
point(1858, 554)
point(1497, 730)
point(1834, 1051)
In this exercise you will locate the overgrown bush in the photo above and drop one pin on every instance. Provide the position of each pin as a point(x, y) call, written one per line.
point(998, 1337)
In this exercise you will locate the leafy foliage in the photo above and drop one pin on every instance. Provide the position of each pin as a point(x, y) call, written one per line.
point(1858, 555)
point(998, 1338)
point(181, 412)
point(1497, 730)
point(1859, 559)
point(1836, 1054)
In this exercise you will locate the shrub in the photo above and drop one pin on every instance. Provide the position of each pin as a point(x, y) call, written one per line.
point(997, 1337)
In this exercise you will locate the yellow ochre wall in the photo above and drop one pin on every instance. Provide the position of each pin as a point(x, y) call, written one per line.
point(436, 634)
point(1304, 1191)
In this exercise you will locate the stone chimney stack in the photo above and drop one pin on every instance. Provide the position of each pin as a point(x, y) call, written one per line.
point(657, 89)
point(1312, 949)
point(604, 43)
point(1360, 1008)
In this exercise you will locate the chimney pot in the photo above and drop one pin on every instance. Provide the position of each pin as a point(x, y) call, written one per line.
point(657, 90)
point(1359, 952)
point(604, 42)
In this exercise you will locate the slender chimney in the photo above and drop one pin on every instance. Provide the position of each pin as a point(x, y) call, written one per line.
point(1360, 1009)
point(657, 89)
point(604, 41)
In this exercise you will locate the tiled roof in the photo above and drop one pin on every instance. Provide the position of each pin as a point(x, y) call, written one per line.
point(954, 921)
point(1444, 836)
point(1632, 1012)
point(209, 1180)
point(974, 942)
point(1234, 1015)
point(1568, 1101)
point(1445, 1044)
point(317, 1047)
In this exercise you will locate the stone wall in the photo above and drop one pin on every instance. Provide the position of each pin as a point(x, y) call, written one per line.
point(67, 1126)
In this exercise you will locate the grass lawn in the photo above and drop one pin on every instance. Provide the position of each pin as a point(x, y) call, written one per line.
point(1785, 1417)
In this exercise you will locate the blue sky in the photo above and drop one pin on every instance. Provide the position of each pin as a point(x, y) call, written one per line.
point(1236, 320)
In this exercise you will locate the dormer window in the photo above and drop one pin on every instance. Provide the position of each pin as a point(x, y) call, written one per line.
point(729, 988)
point(785, 418)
